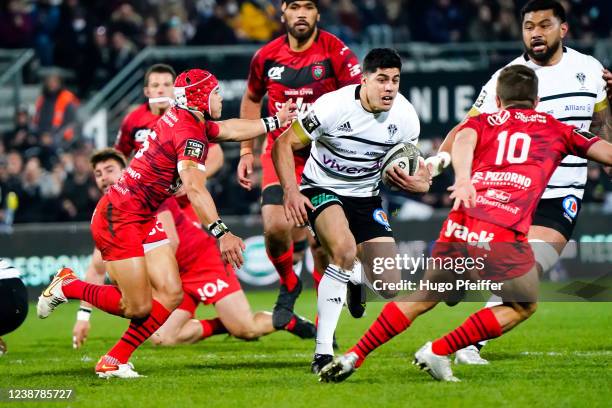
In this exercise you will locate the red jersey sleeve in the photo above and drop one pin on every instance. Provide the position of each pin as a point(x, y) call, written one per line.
point(212, 129)
point(256, 82)
point(345, 64)
point(474, 122)
point(579, 141)
point(124, 142)
point(191, 143)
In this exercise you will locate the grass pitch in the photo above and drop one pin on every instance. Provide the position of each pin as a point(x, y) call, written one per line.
point(560, 357)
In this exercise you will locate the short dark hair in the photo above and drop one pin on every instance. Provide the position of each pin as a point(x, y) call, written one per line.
point(108, 154)
point(159, 69)
point(381, 58)
point(517, 85)
point(539, 5)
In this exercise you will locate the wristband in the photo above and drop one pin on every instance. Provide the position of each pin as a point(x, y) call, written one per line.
point(83, 314)
point(271, 123)
point(218, 229)
point(439, 162)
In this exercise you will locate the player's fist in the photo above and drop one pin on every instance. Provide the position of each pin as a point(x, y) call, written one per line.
point(463, 192)
point(80, 333)
point(607, 76)
point(231, 248)
point(287, 113)
point(244, 171)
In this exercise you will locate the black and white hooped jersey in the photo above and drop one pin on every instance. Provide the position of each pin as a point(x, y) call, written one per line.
point(571, 91)
point(349, 142)
point(8, 271)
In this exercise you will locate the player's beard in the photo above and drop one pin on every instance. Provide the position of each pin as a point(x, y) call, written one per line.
point(301, 36)
point(543, 57)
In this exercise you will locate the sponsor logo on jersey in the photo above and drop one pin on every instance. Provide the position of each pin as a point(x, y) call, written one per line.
point(506, 207)
point(311, 122)
point(143, 134)
point(479, 239)
point(585, 133)
point(578, 108)
point(133, 173)
point(502, 178)
point(157, 228)
point(338, 148)
point(194, 148)
point(354, 70)
point(353, 170)
point(211, 289)
point(570, 206)
point(380, 216)
point(324, 198)
point(302, 107)
point(498, 118)
point(345, 127)
point(529, 118)
point(481, 98)
point(276, 73)
point(498, 195)
point(318, 72)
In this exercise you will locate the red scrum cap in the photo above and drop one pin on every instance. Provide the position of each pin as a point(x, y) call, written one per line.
point(192, 89)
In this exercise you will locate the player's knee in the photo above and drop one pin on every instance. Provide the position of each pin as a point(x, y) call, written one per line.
point(527, 309)
point(138, 310)
point(245, 333)
point(343, 254)
point(175, 297)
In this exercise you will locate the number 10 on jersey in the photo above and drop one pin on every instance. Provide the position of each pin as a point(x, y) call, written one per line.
point(506, 146)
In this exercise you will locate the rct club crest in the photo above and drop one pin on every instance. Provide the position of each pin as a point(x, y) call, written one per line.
point(318, 71)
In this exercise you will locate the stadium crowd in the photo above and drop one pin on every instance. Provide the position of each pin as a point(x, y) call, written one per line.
point(46, 166)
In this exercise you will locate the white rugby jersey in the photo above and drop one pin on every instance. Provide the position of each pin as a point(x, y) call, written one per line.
point(571, 91)
point(349, 143)
point(7, 271)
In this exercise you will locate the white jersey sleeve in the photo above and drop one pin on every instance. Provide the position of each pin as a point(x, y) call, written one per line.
point(485, 103)
point(411, 127)
point(320, 118)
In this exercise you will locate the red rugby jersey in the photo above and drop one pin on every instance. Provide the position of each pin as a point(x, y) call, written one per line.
point(153, 176)
point(135, 129)
point(516, 153)
point(302, 76)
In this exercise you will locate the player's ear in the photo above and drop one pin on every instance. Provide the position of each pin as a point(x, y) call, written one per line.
point(498, 102)
point(564, 29)
point(145, 91)
point(282, 19)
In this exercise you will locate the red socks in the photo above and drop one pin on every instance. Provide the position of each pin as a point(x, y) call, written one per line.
point(212, 327)
point(284, 267)
point(316, 277)
point(104, 297)
point(389, 324)
point(138, 332)
point(482, 325)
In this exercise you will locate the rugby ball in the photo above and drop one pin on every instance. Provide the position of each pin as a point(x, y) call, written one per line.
point(405, 156)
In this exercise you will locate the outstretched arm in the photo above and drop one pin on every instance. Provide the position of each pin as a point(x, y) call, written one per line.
point(463, 192)
point(238, 130)
point(600, 151)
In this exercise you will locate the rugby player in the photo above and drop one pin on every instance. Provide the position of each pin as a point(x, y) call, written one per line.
point(572, 90)
point(349, 131)
point(304, 64)
point(172, 156)
point(517, 140)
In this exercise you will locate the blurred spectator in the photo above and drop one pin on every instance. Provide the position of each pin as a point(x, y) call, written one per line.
point(598, 184)
point(257, 20)
point(481, 29)
point(443, 22)
point(21, 137)
point(47, 19)
point(79, 195)
point(122, 50)
point(127, 21)
point(215, 29)
point(377, 30)
point(17, 24)
point(56, 110)
point(37, 190)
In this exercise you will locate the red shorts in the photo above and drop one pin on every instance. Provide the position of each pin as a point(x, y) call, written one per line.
point(121, 235)
point(269, 176)
point(499, 253)
point(209, 281)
